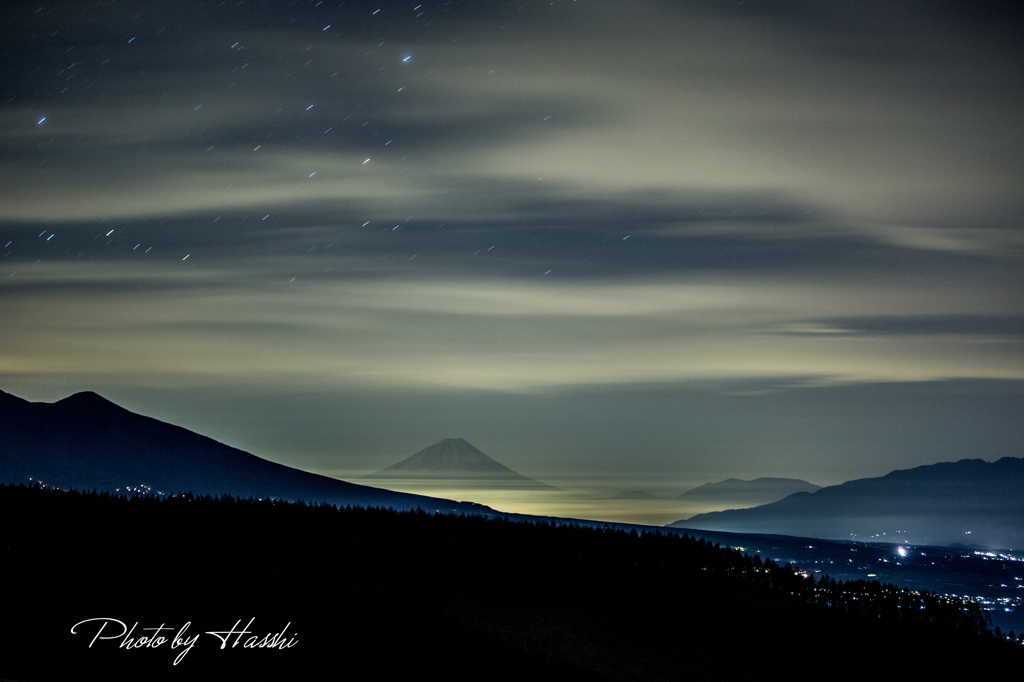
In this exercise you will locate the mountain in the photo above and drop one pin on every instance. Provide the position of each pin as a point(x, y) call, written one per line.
point(970, 502)
point(733, 493)
point(455, 460)
point(86, 442)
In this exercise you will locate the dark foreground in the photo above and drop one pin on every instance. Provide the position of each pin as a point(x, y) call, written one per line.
point(257, 590)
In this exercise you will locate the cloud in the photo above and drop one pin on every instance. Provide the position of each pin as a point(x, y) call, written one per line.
point(218, 325)
point(851, 114)
point(544, 200)
point(997, 327)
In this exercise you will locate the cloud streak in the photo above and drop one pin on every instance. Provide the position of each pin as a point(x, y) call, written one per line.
point(569, 199)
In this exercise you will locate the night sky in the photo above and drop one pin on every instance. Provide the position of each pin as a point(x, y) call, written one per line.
point(648, 244)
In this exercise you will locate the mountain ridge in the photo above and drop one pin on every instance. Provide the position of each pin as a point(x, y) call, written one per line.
point(86, 442)
point(734, 492)
point(970, 501)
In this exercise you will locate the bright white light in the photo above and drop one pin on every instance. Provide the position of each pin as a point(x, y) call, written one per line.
point(902, 551)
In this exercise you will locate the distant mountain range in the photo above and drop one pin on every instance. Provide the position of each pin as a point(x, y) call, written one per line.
point(455, 460)
point(733, 493)
point(970, 502)
point(86, 442)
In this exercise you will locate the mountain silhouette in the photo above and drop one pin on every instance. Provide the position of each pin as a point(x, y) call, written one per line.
point(970, 502)
point(455, 460)
point(734, 493)
point(86, 442)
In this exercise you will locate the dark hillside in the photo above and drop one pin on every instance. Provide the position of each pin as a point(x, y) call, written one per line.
point(377, 594)
point(86, 442)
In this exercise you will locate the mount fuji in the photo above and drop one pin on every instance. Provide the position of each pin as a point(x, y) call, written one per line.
point(454, 460)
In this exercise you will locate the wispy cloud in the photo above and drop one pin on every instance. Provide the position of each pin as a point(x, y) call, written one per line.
point(521, 200)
